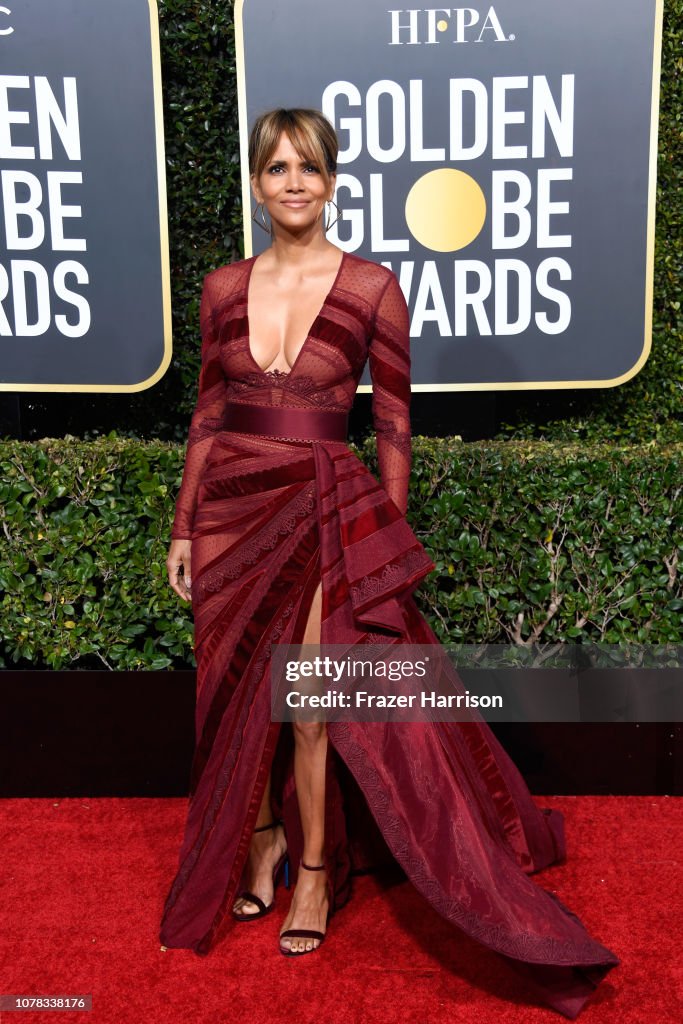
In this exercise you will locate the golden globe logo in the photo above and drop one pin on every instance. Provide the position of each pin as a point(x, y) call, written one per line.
point(417, 26)
point(523, 127)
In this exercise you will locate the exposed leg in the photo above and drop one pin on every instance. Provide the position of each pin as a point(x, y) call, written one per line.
point(310, 899)
point(265, 850)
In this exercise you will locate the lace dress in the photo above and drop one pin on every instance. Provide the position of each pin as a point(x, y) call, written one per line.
point(272, 513)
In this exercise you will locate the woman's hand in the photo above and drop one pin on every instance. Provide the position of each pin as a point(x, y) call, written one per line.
point(179, 566)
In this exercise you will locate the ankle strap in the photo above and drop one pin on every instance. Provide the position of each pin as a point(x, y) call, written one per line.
point(271, 824)
point(310, 867)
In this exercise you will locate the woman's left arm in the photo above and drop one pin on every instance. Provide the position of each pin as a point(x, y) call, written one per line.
point(389, 360)
point(207, 419)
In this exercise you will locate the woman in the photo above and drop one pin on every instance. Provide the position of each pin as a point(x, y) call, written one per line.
point(281, 535)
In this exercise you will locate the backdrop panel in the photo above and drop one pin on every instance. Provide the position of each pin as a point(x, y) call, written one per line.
point(500, 159)
point(84, 279)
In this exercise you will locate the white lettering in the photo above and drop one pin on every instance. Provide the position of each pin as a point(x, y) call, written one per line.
point(560, 298)
point(545, 208)
point(20, 270)
point(13, 208)
point(58, 211)
point(377, 240)
point(502, 117)
point(501, 207)
point(9, 117)
point(352, 125)
point(397, 120)
point(6, 31)
point(49, 114)
point(430, 289)
point(350, 184)
point(561, 122)
point(397, 27)
point(417, 149)
point(82, 325)
point(465, 17)
point(505, 268)
point(465, 300)
point(458, 88)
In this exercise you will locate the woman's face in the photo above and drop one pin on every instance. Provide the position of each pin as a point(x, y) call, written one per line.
point(292, 190)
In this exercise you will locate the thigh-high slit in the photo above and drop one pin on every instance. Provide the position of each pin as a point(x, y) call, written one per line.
point(277, 523)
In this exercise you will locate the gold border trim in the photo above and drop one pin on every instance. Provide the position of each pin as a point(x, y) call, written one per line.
point(538, 385)
point(163, 241)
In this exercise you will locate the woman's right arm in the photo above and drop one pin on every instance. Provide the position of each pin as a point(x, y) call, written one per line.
point(207, 419)
point(389, 360)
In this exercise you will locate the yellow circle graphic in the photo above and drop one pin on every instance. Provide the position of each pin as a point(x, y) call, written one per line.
point(445, 209)
point(442, 25)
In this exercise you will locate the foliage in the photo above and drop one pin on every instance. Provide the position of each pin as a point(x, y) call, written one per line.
point(530, 540)
point(577, 540)
point(203, 180)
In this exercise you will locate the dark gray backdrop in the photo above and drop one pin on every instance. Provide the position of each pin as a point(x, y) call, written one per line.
point(292, 51)
point(107, 48)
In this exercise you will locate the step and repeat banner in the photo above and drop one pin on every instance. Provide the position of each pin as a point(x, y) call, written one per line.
point(84, 276)
point(500, 159)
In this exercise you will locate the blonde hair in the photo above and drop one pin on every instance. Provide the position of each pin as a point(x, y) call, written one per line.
point(309, 131)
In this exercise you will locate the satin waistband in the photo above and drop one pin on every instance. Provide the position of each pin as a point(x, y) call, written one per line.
point(280, 421)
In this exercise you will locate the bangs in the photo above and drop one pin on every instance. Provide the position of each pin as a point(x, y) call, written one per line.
point(309, 131)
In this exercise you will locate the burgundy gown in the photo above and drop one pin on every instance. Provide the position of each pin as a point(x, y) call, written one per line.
point(272, 510)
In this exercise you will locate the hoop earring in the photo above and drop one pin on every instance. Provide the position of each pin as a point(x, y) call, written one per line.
point(339, 213)
point(262, 223)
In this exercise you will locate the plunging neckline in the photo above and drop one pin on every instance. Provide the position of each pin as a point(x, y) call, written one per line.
point(286, 373)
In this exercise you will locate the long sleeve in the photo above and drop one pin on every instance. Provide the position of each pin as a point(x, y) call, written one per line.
point(207, 419)
point(389, 359)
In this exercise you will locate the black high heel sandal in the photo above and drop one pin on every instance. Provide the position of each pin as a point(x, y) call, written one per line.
point(252, 897)
point(306, 933)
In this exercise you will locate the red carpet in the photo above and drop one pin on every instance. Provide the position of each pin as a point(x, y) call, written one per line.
point(83, 883)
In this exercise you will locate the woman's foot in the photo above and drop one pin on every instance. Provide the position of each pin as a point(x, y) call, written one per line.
point(308, 910)
point(266, 849)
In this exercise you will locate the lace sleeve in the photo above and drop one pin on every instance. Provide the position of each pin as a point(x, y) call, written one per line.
point(389, 358)
point(207, 419)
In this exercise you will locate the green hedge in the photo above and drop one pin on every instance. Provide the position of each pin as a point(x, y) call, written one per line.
point(531, 540)
point(556, 541)
point(203, 180)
